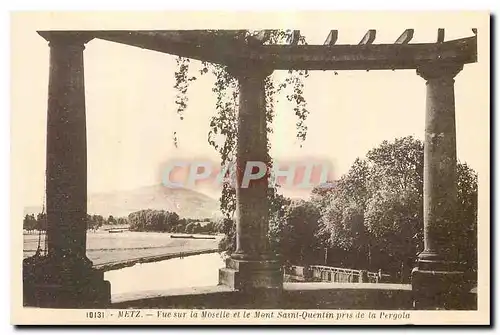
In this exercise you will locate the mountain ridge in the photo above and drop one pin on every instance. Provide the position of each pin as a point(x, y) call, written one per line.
point(185, 202)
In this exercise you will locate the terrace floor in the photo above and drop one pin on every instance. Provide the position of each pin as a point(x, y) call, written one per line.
point(316, 295)
point(293, 296)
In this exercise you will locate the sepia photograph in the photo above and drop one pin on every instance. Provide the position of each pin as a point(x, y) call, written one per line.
point(236, 168)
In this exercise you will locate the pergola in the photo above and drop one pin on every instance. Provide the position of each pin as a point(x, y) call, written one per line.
point(66, 277)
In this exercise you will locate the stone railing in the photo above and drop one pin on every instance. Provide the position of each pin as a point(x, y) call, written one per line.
point(334, 275)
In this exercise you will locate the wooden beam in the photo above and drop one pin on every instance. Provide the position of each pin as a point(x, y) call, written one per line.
point(363, 57)
point(163, 42)
point(405, 37)
point(332, 37)
point(440, 38)
point(369, 37)
point(307, 57)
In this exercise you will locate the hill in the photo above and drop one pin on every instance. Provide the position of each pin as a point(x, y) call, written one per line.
point(185, 202)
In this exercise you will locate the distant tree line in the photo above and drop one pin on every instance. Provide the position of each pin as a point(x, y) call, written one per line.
point(143, 220)
point(32, 223)
point(165, 221)
point(94, 222)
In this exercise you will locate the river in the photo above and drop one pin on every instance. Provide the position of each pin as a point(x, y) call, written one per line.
point(191, 271)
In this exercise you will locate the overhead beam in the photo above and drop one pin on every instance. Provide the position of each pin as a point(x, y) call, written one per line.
point(332, 37)
point(171, 45)
point(369, 37)
point(224, 49)
point(363, 57)
point(405, 37)
point(440, 38)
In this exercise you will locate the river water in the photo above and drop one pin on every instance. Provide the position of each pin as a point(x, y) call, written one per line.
point(191, 271)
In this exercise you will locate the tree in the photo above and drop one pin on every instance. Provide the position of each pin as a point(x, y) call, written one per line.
point(278, 207)
point(180, 227)
point(197, 229)
point(321, 194)
point(298, 242)
point(122, 221)
point(111, 220)
point(466, 219)
point(153, 220)
point(376, 210)
point(394, 218)
point(190, 227)
point(227, 226)
point(41, 221)
point(29, 222)
point(394, 212)
point(342, 218)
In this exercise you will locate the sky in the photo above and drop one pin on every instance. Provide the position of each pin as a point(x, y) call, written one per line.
point(131, 111)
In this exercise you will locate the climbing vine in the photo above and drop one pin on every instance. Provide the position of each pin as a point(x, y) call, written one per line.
point(222, 135)
point(181, 85)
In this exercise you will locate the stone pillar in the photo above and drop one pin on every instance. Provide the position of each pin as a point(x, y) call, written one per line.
point(65, 278)
point(66, 180)
point(438, 281)
point(252, 265)
point(251, 201)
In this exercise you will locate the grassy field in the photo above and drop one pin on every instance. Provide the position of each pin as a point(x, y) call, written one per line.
point(105, 248)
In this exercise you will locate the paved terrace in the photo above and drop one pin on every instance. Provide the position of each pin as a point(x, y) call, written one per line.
point(293, 296)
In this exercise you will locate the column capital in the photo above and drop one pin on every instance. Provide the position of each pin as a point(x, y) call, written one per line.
point(66, 38)
point(249, 71)
point(442, 71)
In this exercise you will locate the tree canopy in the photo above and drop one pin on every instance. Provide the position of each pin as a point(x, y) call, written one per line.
point(375, 212)
point(372, 217)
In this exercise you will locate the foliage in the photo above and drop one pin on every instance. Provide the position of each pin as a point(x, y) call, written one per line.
point(278, 208)
point(223, 126)
point(164, 221)
point(299, 244)
point(226, 226)
point(41, 219)
point(466, 216)
point(153, 220)
point(374, 214)
point(29, 222)
point(371, 218)
point(94, 222)
point(343, 215)
point(144, 220)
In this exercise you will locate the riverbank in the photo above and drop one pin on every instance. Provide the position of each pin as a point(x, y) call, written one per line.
point(112, 251)
point(151, 259)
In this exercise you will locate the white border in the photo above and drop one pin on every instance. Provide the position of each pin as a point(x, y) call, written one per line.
point(183, 5)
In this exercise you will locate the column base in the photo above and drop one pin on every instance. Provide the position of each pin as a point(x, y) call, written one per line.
point(62, 283)
point(251, 274)
point(441, 289)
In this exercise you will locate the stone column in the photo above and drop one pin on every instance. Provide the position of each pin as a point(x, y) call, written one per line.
point(65, 278)
point(438, 281)
point(251, 202)
point(252, 265)
point(66, 180)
